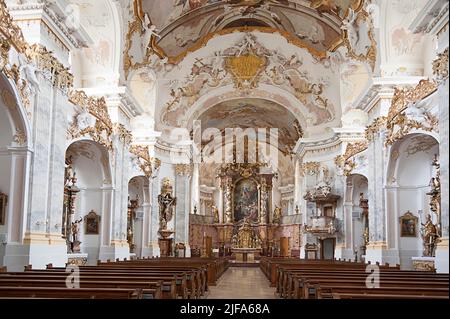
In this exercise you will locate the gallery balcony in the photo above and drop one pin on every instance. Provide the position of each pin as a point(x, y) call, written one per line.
point(321, 225)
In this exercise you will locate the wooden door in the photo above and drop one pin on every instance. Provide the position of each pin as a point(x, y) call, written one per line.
point(327, 247)
point(208, 246)
point(284, 246)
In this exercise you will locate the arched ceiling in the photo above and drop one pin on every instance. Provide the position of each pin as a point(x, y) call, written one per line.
point(254, 114)
point(186, 25)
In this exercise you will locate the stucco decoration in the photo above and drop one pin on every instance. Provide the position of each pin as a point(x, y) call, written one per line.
point(292, 73)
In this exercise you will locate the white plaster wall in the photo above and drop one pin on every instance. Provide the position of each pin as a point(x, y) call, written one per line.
point(413, 172)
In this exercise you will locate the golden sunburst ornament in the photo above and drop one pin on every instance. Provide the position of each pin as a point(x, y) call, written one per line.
point(245, 70)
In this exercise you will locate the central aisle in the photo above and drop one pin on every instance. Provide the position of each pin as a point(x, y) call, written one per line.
point(242, 283)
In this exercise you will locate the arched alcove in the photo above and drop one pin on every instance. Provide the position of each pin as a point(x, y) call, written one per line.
point(409, 173)
point(15, 156)
point(137, 232)
point(357, 185)
point(89, 161)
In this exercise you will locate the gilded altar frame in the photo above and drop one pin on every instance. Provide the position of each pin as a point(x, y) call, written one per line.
point(92, 223)
point(408, 225)
point(235, 184)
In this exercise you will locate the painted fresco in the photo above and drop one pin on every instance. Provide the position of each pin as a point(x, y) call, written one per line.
point(246, 200)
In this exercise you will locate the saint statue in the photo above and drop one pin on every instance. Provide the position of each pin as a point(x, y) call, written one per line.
point(74, 246)
point(277, 214)
point(215, 213)
point(130, 235)
point(75, 230)
point(166, 203)
point(430, 236)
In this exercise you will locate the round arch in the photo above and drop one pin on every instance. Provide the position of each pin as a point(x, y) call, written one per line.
point(18, 114)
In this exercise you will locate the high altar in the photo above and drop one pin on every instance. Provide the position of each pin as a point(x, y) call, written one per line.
point(246, 227)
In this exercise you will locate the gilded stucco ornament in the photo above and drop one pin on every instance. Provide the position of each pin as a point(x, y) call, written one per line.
point(10, 31)
point(440, 66)
point(50, 66)
point(102, 130)
point(346, 162)
point(123, 134)
point(148, 165)
point(310, 168)
point(359, 38)
point(246, 65)
point(183, 169)
point(20, 137)
point(404, 116)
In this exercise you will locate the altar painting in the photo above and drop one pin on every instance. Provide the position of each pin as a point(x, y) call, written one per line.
point(246, 200)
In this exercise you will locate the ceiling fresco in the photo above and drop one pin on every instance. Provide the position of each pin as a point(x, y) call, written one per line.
point(186, 25)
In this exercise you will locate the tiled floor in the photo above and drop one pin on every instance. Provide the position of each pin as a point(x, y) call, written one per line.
point(242, 283)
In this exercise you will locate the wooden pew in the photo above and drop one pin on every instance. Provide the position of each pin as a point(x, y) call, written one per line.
point(149, 290)
point(64, 293)
point(168, 288)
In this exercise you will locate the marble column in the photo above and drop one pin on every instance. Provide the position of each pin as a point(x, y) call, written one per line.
point(221, 205)
point(42, 242)
point(442, 249)
point(183, 208)
point(377, 249)
point(345, 250)
point(118, 246)
point(154, 220)
point(196, 188)
point(264, 197)
point(146, 222)
point(228, 211)
point(297, 184)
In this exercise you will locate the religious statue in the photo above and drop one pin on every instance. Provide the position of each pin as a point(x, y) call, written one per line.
point(130, 236)
point(435, 192)
point(215, 213)
point(277, 214)
point(75, 230)
point(366, 236)
point(430, 236)
point(166, 202)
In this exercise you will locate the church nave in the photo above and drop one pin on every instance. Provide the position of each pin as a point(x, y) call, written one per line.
point(242, 283)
